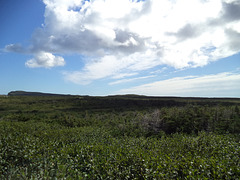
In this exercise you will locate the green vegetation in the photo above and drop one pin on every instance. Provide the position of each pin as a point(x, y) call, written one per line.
point(119, 137)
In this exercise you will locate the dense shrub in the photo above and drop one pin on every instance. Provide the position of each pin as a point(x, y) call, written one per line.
point(67, 138)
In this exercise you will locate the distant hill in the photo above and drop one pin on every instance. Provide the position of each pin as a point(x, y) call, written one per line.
point(24, 93)
point(133, 97)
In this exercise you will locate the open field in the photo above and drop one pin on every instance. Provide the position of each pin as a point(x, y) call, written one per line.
point(119, 137)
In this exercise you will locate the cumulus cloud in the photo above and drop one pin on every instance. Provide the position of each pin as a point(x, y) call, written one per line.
point(223, 84)
point(129, 36)
point(231, 11)
point(45, 59)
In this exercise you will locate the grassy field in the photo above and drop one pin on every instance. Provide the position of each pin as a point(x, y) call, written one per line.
point(119, 137)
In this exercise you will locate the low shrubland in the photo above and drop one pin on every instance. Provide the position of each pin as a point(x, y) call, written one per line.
point(80, 138)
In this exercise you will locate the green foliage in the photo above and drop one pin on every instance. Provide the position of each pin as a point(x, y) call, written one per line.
point(86, 138)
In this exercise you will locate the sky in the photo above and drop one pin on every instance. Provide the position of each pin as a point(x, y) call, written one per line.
point(107, 47)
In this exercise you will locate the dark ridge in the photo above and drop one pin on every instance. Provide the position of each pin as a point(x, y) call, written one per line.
point(126, 97)
point(135, 96)
point(24, 93)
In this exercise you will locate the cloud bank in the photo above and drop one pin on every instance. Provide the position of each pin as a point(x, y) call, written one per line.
point(124, 37)
point(209, 85)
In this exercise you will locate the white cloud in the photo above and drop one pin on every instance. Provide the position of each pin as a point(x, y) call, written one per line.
point(223, 84)
point(115, 67)
point(123, 75)
point(45, 59)
point(96, 69)
point(129, 36)
point(159, 70)
point(130, 80)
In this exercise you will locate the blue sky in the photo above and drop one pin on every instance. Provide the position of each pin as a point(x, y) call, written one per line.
point(103, 47)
